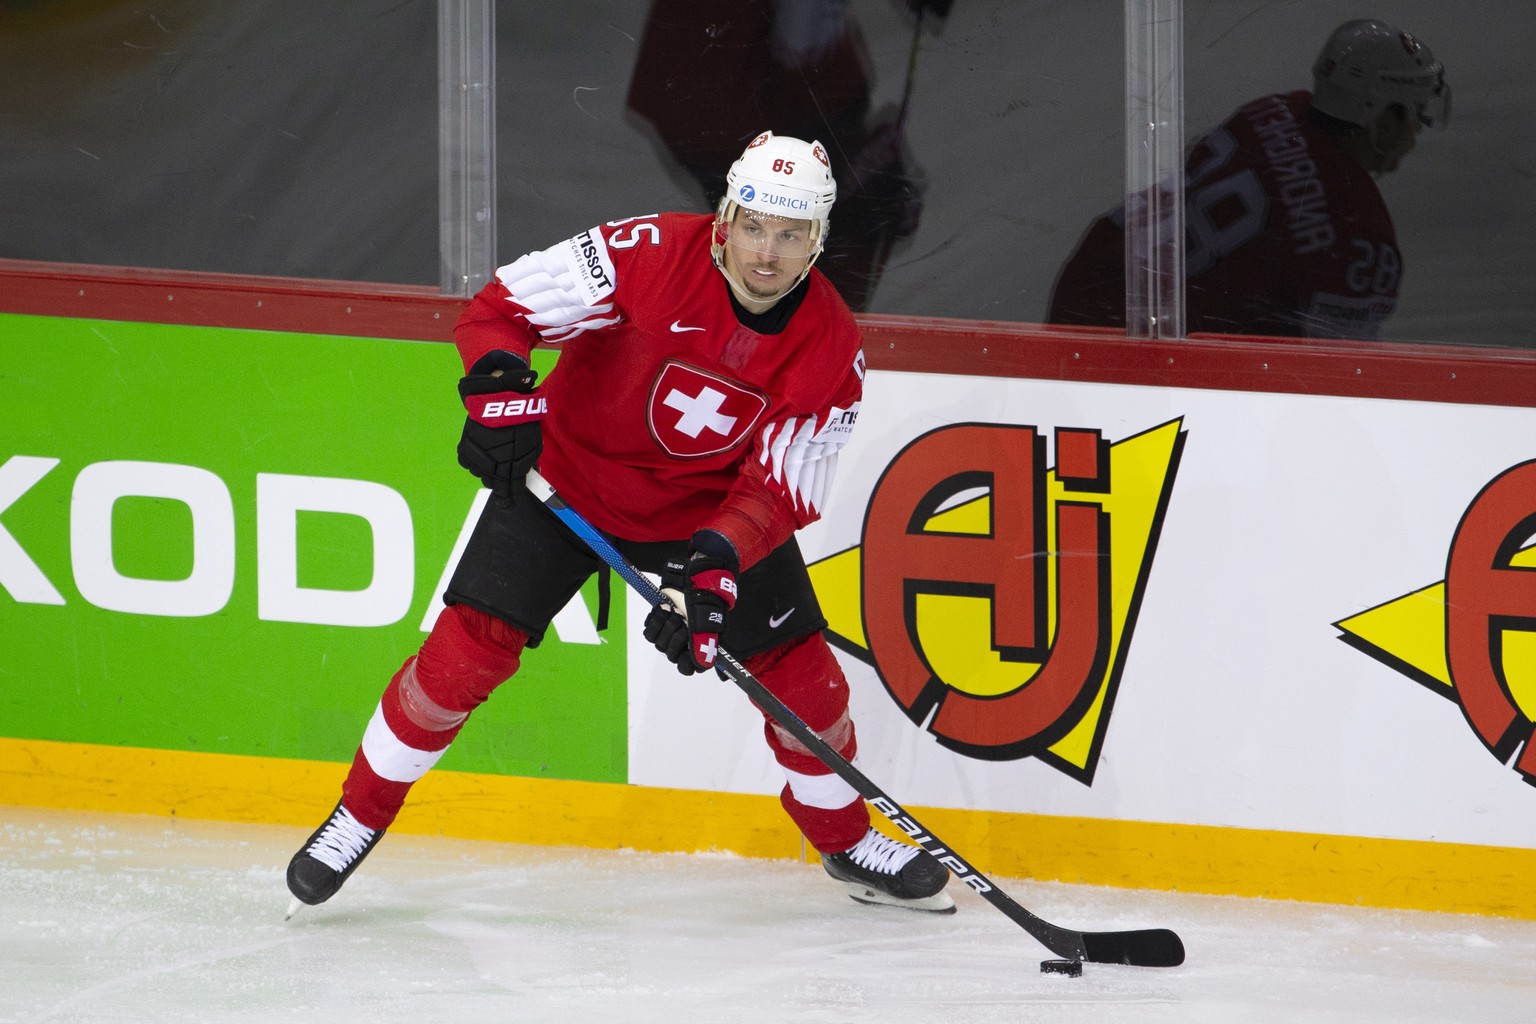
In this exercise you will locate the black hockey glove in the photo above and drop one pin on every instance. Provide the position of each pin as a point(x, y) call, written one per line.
point(702, 592)
point(503, 436)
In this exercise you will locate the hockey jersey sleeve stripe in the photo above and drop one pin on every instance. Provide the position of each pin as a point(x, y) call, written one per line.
point(561, 317)
point(775, 441)
point(554, 296)
point(800, 457)
point(589, 324)
point(800, 461)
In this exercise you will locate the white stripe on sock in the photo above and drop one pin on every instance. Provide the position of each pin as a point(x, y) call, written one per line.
point(389, 757)
point(828, 792)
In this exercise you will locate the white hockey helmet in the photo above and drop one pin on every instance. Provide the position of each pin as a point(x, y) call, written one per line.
point(782, 177)
point(777, 176)
point(1367, 65)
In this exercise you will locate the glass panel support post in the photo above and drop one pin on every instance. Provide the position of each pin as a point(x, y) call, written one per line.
point(466, 148)
point(1154, 168)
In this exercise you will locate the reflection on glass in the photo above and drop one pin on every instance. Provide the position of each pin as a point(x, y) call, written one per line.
point(710, 76)
point(228, 138)
point(1286, 230)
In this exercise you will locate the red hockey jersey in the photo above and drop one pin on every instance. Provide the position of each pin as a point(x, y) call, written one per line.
point(1285, 235)
point(666, 413)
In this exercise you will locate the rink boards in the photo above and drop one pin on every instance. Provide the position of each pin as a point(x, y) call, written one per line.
point(1130, 614)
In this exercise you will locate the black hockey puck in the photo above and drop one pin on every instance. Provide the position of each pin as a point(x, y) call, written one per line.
point(1071, 968)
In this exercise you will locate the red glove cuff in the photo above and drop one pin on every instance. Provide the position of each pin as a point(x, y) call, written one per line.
point(720, 582)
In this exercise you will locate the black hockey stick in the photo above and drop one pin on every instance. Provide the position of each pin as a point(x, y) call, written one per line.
point(906, 89)
point(1149, 947)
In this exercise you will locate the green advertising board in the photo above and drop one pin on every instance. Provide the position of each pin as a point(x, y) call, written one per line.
point(227, 541)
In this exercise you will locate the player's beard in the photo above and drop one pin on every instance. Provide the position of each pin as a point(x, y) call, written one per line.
point(765, 290)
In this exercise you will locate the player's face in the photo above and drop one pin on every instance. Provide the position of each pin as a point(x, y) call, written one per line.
point(1396, 133)
point(766, 255)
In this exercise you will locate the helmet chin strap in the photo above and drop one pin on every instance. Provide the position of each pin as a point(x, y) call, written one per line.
point(747, 298)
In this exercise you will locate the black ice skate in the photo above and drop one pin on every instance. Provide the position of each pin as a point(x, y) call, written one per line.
point(329, 856)
point(884, 871)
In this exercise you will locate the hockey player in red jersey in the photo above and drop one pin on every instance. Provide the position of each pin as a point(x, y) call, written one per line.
point(707, 380)
point(1286, 232)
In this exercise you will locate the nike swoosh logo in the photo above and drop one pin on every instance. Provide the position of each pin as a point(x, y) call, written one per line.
point(774, 622)
point(678, 328)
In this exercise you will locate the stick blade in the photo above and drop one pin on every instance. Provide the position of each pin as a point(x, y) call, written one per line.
point(1149, 947)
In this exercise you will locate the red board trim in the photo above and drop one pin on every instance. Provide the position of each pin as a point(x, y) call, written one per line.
point(1431, 373)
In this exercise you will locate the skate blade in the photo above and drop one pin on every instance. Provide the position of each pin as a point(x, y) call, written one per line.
point(293, 908)
point(939, 903)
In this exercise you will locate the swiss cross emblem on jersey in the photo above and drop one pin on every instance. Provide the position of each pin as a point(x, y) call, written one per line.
point(692, 413)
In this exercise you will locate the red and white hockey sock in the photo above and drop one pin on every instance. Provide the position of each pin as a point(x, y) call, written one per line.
point(807, 678)
point(467, 655)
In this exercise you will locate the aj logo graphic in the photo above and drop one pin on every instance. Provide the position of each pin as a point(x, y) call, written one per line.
point(996, 595)
point(1472, 636)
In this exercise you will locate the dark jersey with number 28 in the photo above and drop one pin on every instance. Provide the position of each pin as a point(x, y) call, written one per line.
point(1285, 235)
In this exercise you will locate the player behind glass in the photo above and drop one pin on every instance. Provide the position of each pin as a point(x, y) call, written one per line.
point(1286, 231)
point(709, 376)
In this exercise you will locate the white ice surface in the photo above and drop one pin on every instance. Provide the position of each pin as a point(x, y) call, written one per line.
point(130, 918)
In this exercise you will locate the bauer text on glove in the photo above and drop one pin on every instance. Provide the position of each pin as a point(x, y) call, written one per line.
point(502, 435)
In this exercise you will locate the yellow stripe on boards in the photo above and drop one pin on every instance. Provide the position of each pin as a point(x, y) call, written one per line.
point(499, 808)
point(1353, 870)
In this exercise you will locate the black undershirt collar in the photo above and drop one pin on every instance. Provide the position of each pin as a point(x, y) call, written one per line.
point(776, 317)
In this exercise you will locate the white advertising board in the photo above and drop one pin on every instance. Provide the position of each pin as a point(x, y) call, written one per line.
point(1266, 623)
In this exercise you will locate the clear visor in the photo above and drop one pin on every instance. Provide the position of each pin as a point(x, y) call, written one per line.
point(764, 234)
point(1435, 111)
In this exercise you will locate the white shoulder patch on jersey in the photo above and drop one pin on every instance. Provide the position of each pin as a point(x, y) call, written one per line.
point(562, 295)
point(591, 267)
point(839, 424)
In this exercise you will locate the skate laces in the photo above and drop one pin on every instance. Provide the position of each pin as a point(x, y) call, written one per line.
point(341, 841)
point(879, 853)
